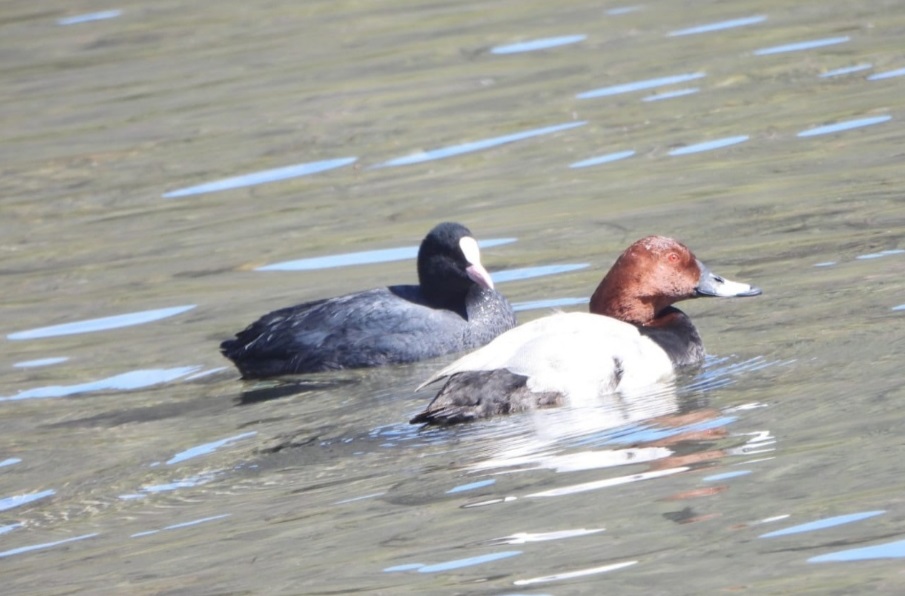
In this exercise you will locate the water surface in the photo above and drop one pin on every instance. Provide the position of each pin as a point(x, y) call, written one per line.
point(161, 155)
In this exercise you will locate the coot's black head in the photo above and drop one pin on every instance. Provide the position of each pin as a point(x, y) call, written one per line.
point(449, 265)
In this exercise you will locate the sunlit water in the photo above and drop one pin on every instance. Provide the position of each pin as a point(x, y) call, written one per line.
point(173, 171)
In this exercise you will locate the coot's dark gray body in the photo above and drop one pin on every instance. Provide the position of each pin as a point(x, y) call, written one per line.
point(454, 308)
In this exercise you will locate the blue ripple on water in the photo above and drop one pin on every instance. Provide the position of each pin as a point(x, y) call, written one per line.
point(472, 146)
point(366, 257)
point(731, 24)
point(10, 527)
point(207, 448)
point(19, 500)
point(593, 161)
point(641, 85)
point(725, 475)
point(471, 486)
point(642, 433)
point(190, 482)
point(822, 524)
point(405, 567)
point(889, 550)
point(538, 44)
point(551, 303)
point(90, 17)
point(881, 254)
point(468, 562)
point(847, 125)
point(136, 379)
point(262, 177)
point(25, 549)
point(360, 498)
point(40, 362)
point(846, 70)
point(709, 145)
point(10, 461)
point(899, 72)
point(456, 564)
point(187, 524)
point(802, 45)
point(102, 324)
point(620, 10)
point(531, 272)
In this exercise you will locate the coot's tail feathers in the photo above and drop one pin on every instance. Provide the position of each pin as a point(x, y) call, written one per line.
point(251, 368)
point(264, 348)
point(251, 365)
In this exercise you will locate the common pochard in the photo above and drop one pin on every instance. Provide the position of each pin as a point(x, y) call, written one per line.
point(632, 338)
point(454, 308)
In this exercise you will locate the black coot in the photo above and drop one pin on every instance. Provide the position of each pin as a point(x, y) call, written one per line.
point(454, 308)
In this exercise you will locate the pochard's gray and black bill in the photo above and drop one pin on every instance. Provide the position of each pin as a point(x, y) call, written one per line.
point(711, 284)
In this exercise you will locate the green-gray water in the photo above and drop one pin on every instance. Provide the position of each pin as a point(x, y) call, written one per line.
point(138, 463)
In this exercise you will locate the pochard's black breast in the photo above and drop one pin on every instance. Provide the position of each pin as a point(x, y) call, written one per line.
point(678, 338)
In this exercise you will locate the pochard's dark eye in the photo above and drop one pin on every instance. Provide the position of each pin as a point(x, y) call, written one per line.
point(673, 257)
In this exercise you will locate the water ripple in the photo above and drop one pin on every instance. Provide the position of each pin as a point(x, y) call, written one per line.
point(642, 433)
point(40, 362)
point(725, 476)
point(531, 272)
point(101, 324)
point(187, 524)
point(472, 146)
point(471, 486)
point(889, 550)
point(207, 448)
point(731, 24)
point(574, 574)
point(899, 72)
point(608, 482)
point(366, 257)
point(551, 303)
point(527, 537)
point(455, 564)
point(468, 562)
point(880, 255)
point(822, 524)
point(538, 44)
point(261, 177)
point(90, 17)
point(641, 85)
point(190, 482)
point(841, 126)
point(19, 500)
point(25, 549)
point(593, 161)
point(620, 10)
point(846, 70)
point(709, 145)
point(136, 379)
point(802, 45)
point(361, 498)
